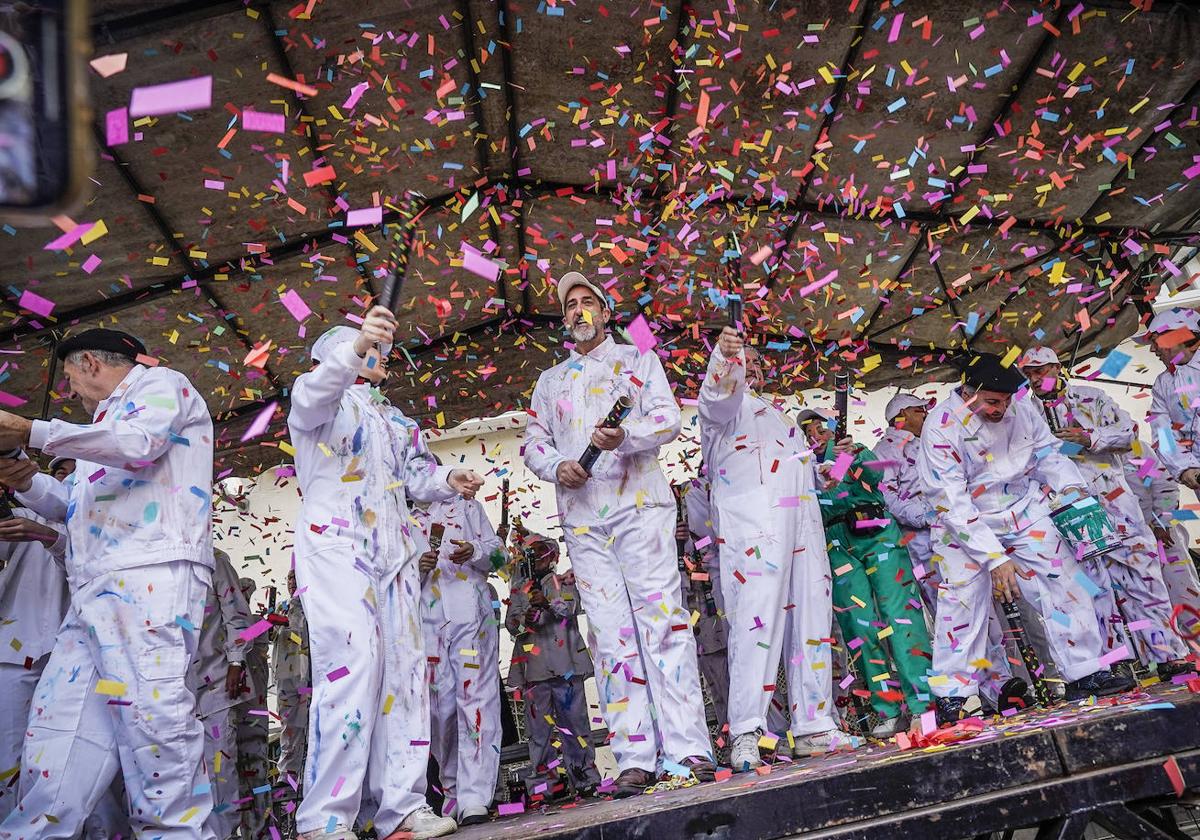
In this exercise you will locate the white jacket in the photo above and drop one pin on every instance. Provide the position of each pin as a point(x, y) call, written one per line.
point(571, 398)
point(898, 451)
point(1175, 416)
point(33, 597)
point(985, 478)
point(358, 458)
point(142, 489)
point(1110, 427)
point(460, 589)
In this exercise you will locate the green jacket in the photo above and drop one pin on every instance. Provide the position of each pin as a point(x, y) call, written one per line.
point(850, 493)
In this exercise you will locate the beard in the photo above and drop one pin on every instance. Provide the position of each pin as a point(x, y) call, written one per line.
point(584, 332)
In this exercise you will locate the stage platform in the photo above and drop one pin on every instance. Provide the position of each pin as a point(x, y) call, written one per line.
point(1119, 764)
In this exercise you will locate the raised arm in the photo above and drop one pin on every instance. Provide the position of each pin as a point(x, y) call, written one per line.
point(46, 497)
point(317, 394)
point(724, 384)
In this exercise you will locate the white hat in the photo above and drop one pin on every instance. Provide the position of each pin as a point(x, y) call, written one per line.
point(1169, 320)
point(1038, 356)
point(330, 340)
point(808, 415)
point(902, 401)
point(572, 279)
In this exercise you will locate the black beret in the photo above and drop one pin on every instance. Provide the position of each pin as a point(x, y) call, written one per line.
point(985, 372)
point(114, 341)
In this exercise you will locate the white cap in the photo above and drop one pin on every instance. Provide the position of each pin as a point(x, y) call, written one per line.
point(1169, 320)
point(900, 402)
point(808, 415)
point(1038, 356)
point(330, 340)
point(572, 279)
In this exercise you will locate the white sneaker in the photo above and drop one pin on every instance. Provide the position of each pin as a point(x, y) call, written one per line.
point(886, 728)
point(423, 823)
point(743, 755)
point(339, 833)
point(826, 742)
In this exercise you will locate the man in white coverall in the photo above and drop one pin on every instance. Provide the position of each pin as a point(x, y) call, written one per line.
point(357, 460)
point(619, 524)
point(216, 678)
point(462, 647)
point(1158, 496)
point(897, 452)
point(33, 601)
point(1096, 433)
point(984, 458)
point(115, 692)
point(772, 557)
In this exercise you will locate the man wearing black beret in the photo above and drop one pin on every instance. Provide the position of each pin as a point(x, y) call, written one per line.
point(986, 453)
point(114, 695)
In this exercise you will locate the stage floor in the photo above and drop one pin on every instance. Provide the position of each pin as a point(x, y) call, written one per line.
point(1023, 770)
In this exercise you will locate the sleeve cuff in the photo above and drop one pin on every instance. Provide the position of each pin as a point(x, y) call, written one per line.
point(39, 434)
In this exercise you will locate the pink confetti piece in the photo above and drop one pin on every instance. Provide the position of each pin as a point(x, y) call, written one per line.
point(69, 238)
point(91, 264)
point(356, 93)
point(36, 303)
point(263, 121)
point(254, 630)
point(261, 421)
point(507, 809)
point(172, 97)
point(116, 127)
point(477, 263)
point(364, 216)
point(11, 401)
point(109, 65)
point(295, 304)
point(337, 674)
point(1114, 655)
point(639, 332)
point(843, 462)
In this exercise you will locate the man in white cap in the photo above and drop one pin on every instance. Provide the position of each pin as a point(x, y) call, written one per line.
point(898, 451)
point(772, 557)
point(358, 458)
point(462, 647)
point(114, 695)
point(984, 458)
point(1174, 337)
point(1095, 434)
point(619, 522)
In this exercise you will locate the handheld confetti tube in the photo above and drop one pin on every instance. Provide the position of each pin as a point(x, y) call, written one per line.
point(615, 418)
point(841, 402)
point(504, 505)
point(1028, 655)
point(680, 520)
point(734, 307)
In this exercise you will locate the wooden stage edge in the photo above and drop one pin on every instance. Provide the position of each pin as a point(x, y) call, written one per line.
point(1117, 763)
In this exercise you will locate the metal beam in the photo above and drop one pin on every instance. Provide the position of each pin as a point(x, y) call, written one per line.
point(514, 145)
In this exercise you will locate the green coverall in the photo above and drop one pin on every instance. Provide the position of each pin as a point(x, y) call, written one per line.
point(874, 593)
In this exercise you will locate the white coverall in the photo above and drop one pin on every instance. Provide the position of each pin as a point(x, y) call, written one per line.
point(985, 479)
point(1132, 574)
point(773, 562)
point(897, 452)
point(114, 694)
point(620, 535)
point(226, 617)
point(293, 690)
point(357, 459)
point(462, 647)
point(1158, 495)
point(33, 601)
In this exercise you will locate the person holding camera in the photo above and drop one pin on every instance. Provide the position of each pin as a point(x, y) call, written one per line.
point(550, 663)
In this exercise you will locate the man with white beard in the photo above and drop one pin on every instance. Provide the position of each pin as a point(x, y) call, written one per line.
point(772, 557)
point(358, 458)
point(140, 528)
point(462, 646)
point(1095, 433)
point(619, 522)
point(984, 458)
point(913, 511)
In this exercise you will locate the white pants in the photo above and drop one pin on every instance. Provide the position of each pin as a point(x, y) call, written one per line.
point(114, 695)
point(642, 643)
point(221, 762)
point(1129, 589)
point(1179, 572)
point(463, 651)
point(960, 632)
point(784, 576)
point(368, 733)
point(293, 740)
point(17, 684)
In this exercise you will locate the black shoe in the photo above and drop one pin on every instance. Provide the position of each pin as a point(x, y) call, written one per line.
point(1100, 684)
point(949, 710)
point(1124, 669)
point(474, 819)
point(632, 782)
point(1014, 694)
point(1169, 670)
point(703, 769)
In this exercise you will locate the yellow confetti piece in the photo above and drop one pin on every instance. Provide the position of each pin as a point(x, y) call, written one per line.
point(467, 652)
point(189, 813)
point(859, 601)
point(110, 688)
point(885, 632)
point(287, 447)
point(387, 704)
point(618, 707)
point(1011, 356)
point(95, 232)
